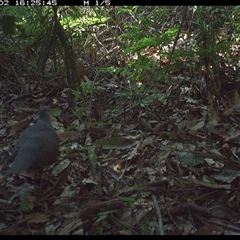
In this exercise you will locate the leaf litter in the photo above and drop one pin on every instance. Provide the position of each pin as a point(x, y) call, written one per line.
point(115, 159)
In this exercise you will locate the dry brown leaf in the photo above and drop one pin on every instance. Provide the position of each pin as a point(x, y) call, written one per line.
point(3, 131)
point(209, 185)
point(68, 136)
point(38, 218)
point(209, 229)
point(27, 109)
point(133, 218)
point(146, 124)
point(20, 126)
point(117, 142)
point(70, 227)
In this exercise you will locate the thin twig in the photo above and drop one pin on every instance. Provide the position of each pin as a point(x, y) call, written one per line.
point(160, 224)
point(176, 38)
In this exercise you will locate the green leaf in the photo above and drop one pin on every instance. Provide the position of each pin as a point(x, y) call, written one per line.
point(56, 112)
point(197, 125)
point(26, 206)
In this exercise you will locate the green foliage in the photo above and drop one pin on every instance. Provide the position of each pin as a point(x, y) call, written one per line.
point(26, 206)
point(92, 156)
point(141, 192)
point(56, 112)
point(52, 34)
point(137, 40)
point(7, 23)
point(77, 95)
point(87, 87)
point(128, 201)
point(145, 228)
point(25, 20)
point(105, 214)
point(2, 110)
point(68, 148)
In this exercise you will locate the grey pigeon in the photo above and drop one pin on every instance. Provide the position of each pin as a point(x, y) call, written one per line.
point(37, 146)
